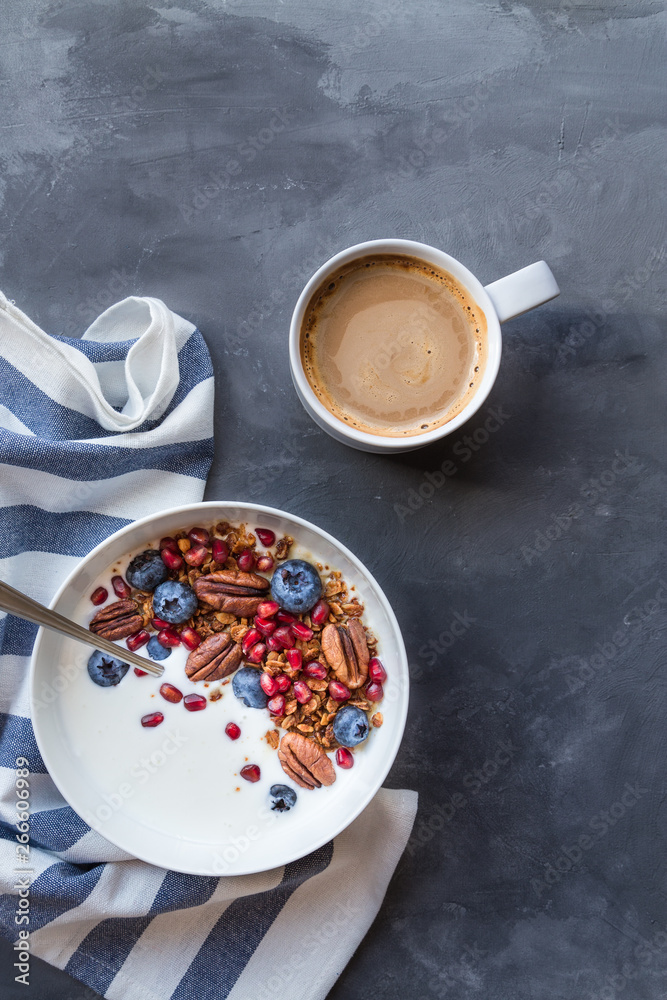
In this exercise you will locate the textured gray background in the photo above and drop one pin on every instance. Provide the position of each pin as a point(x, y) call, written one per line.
point(115, 118)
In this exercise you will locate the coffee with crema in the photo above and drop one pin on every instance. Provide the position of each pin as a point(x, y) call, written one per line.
point(393, 346)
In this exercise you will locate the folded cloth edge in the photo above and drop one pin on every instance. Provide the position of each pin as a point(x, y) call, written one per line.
point(51, 354)
point(329, 915)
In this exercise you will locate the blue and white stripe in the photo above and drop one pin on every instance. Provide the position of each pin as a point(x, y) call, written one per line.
point(95, 433)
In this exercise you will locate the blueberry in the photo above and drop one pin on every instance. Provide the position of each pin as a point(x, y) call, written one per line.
point(174, 601)
point(105, 670)
point(282, 798)
point(247, 688)
point(296, 585)
point(350, 726)
point(156, 650)
point(146, 570)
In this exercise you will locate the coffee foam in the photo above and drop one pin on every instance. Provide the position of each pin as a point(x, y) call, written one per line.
point(393, 346)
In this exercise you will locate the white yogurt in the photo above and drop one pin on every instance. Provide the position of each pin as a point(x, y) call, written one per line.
point(184, 775)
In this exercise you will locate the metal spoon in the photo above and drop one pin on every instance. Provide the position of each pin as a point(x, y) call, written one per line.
point(16, 603)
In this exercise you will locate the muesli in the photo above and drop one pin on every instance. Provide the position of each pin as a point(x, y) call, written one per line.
point(287, 634)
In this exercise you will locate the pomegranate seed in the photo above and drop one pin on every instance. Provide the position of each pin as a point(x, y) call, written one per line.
point(376, 671)
point(268, 684)
point(168, 637)
point(198, 536)
point(245, 560)
point(265, 625)
point(190, 637)
point(196, 555)
point(158, 623)
point(338, 691)
point(140, 673)
point(374, 692)
point(265, 563)
point(302, 631)
point(232, 730)
point(250, 772)
point(137, 640)
point(194, 702)
point(276, 705)
point(283, 683)
point(99, 595)
point(256, 654)
point(220, 550)
point(286, 617)
point(273, 644)
point(320, 613)
point(168, 543)
point(302, 692)
point(252, 636)
point(294, 658)
point(285, 636)
point(121, 589)
point(315, 669)
point(152, 720)
point(266, 536)
point(344, 758)
point(267, 609)
point(172, 560)
point(171, 693)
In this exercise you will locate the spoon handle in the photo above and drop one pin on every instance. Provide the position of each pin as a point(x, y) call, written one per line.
point(16, 603)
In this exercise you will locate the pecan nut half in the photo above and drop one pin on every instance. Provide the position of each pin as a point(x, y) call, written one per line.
point(233, 591)
point(117, 620)
point(305, 762)
point(214, 658)
point(346, 651)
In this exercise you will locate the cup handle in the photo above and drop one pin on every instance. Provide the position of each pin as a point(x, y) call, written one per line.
point(523, 290)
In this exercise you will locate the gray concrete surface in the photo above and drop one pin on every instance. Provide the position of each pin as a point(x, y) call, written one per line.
point(503, 133)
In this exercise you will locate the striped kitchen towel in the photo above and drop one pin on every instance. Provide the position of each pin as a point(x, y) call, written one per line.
point(95, 433)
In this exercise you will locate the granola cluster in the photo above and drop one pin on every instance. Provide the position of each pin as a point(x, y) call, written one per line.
point(315, 718)
point(223, 566)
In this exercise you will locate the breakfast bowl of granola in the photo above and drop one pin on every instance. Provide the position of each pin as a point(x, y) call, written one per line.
point(280, 709)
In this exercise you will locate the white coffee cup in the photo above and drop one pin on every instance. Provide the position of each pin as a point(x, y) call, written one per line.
point(501, 300)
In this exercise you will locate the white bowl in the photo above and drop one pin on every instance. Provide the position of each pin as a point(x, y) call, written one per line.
point(151, 825)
